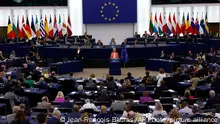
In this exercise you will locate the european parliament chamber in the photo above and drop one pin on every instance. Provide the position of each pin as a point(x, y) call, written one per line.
point(110, 62)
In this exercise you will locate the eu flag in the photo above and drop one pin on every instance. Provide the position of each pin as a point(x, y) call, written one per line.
point(124, 54)
point(109, 11)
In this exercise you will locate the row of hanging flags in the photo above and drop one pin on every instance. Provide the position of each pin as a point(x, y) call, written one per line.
point(39, 28)
point(169, 26)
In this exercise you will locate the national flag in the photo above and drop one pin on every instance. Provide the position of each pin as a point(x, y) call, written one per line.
point(50, 28)
point(155, 29)
point(183, 25)
point(151, 24)
point(202, 24)
point(197, 25)
point(69, 27)
point(46, 27)
point(169, 25)
point(19, 29)
point(27, 30)
point(193, 26)
point(60, 27)
point(23, 28)
point(14, 28)
point(206, 23)
point(165, 27)
point(11, 33)
point(33, 28)
point(124, 55)
point(42, 31)
point(174, 24)
point(38, 34)
point(55, 27)
point(64, 26)
point(188, 26)
point(160, 25)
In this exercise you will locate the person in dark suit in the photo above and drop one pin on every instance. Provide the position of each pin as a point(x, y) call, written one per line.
point(104, 96)
point(99, 43)
point(66, 103)
point(42, 118)
point(2, 58)
point(129, 76)
point(56, 117)
point(160, 89)
point(124, 43)
point(172, 56)
point(33, 50)
point(111, 83)
point(78, 55)
point(25, 70)
point(162, 55)
point(37, 74)
point(75, 113)
point(190, 55)
point(212, 100)
point(216, 84)
point(18, 90)
point(196, 114)
point(91, 84)
point(104, 113)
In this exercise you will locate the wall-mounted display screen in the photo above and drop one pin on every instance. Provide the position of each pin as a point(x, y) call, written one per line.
point(183, 1)
point(9, 3)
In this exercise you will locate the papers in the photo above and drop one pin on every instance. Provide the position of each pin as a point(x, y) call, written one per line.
point(170, 90)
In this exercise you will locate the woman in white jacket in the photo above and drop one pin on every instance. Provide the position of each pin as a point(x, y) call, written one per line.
point(160, 76)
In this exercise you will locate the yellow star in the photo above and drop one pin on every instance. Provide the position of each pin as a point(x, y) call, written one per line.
point(117, 11)
point(116, 15)
point(105, 18)
point(113, 18)
point(116, 7)
point(102, 15)
point(105, 4)
point(113, 4)
point(102, 7)
point(101, 11)
point(109, 19)
point(109, 3)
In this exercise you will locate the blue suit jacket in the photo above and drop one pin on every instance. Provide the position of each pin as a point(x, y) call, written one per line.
point(53, 120)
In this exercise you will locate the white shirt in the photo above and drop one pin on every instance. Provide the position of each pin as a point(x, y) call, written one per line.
point(186, 110)
point(78, 51)
point(88, 106)
point(114, 56)
point(160, 78)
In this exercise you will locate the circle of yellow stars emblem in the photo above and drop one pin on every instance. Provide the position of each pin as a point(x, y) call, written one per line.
point(109, 18)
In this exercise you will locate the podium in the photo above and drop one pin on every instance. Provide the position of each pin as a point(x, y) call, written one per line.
point(114, 67)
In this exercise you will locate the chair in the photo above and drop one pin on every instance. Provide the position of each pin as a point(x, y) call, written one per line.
point(35, 109)
point(65, 110)
point(167, 107)
point(141, 108)
point(100, 103)
point(64, 59)
point(128, 95)
point(7, 102)
point(118, 111)
point(166, 100)
point(150, 103)
point(89, 111)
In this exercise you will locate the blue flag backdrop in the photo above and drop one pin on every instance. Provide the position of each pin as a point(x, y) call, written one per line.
point(109, 11)
point(124, 54)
